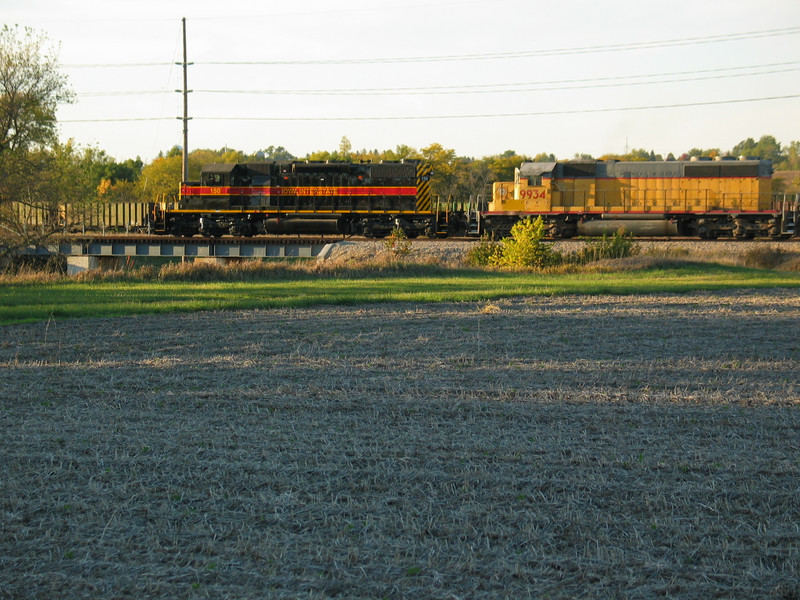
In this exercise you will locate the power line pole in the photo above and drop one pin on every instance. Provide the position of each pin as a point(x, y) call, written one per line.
point(185, 170)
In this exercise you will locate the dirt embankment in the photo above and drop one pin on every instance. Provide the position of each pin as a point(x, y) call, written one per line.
point(598, 447)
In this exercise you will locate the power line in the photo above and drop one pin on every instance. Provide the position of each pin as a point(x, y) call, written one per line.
point(563, 84)
point(468, 116)
point(114, 65)
point(575, 84)
point(124, 93)
point(712, 39)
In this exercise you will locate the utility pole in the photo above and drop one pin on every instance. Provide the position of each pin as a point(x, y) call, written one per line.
point(185, 170)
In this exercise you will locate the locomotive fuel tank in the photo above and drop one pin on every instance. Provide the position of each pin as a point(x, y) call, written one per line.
point(638, 225)
point(302, 226)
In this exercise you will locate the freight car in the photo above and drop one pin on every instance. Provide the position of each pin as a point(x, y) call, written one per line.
point(703, 198)
point(102, 217)
point(280, 197)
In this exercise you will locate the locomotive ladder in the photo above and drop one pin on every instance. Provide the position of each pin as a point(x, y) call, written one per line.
point(790, 214)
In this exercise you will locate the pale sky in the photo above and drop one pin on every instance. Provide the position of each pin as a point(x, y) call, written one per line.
point(478, 76)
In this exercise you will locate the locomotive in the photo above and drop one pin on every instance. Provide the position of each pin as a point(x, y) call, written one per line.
point(285, 197)
point(701, 198)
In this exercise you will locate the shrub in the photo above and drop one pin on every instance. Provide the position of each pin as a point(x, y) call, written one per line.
point(525, 247)
point(397, 243)
point(484, 254)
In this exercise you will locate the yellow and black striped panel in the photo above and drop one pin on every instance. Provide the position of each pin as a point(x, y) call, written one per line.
point(424, 187)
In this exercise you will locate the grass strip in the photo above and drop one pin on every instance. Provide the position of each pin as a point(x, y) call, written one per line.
point(33, 302)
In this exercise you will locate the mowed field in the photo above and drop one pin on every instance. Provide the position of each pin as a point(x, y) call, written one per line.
point(565, 447)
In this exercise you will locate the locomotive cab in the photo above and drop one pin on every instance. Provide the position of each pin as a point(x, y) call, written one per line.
point(530, 192)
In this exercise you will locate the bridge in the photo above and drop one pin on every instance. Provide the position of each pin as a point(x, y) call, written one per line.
point(107, 252)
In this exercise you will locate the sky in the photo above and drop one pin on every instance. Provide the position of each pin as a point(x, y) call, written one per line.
point(477, 76)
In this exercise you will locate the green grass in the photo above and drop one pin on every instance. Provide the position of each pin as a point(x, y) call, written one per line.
point(31, 302)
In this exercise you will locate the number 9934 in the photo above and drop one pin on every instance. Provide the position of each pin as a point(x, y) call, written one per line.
point(532, 194)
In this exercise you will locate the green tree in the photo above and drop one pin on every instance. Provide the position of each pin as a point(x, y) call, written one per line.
point(162, 177)
point(699, 152)
point(113, 181)
point(277, 153)
point(345, 148)
point(402, 152)
point(31, 88)
point(792, 160)
point(199, 158)
point(502, 166)
point(473, 179)
point(103, 167)
point(767, 147)
point(231, 156)
point(635, 155)
point(443, 161)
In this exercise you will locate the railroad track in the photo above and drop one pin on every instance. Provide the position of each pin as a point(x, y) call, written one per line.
point(306, 239)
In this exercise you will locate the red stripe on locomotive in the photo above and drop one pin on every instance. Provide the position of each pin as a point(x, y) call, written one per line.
point(297, 191)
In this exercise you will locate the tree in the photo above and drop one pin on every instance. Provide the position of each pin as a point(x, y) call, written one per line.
point(31, 88)
point(345, 148)
point(767, 148)
point(473, 179)
point(792, 162)
point(502, 166)
point(635, 155)
point(103, 167)
point(276, 153)
point(162, 177)
point(402, 152)
point(699, 152)
point(443, 162)
point(113, 181)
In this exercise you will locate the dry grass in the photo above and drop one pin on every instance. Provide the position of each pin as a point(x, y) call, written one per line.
point(573, 447)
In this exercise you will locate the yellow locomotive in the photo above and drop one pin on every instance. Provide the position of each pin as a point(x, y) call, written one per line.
point(705, 198)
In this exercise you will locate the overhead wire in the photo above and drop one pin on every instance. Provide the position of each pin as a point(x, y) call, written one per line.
point(463, 116)
point(499, 88)
point(712, 39)
point(515, 87)
point(564, 84)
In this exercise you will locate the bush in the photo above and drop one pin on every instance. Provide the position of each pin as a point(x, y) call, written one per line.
point(484, 254)
point(397, 243)
point(525, 247)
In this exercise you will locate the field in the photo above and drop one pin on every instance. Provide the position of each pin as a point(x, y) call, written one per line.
point(534, 447)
